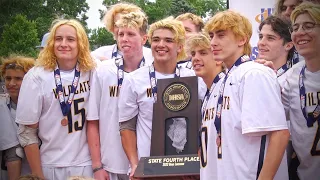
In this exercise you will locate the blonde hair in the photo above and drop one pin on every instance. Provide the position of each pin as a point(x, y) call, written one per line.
point(18, 62)
point(196, 20)
point(176, 27)
point(30, 177)
point(120, 8)
point(134, 20)
point(307, 7)
point(47, 57)
point(237, 23)
point(201, 40)
point(79, 178)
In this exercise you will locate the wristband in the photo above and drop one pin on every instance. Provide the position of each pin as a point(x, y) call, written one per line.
point(97, 169)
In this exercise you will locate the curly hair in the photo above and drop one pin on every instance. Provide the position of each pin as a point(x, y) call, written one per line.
point(120, 8)
point(237, 23)
point(17, 62)
point(47, 57)
point(176, 27)
point(196, 20)
point(134, 20)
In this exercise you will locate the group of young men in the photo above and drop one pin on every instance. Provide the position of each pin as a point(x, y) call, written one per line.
point(94, 117)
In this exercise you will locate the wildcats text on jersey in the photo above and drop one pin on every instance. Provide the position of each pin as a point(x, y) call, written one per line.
point(226, 102)
point(209, 114)
point(114, 91)
point(82, 88)
point(313, 98)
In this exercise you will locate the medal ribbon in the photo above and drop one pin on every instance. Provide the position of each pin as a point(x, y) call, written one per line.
point(310, 118)
point(217, 121)
point(65, 106)
point(283, 69)
point(120, 66)
point(114, 51)
point(209, 92)
point(153, 80)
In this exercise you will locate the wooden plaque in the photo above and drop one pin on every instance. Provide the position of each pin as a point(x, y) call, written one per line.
point(176, 98)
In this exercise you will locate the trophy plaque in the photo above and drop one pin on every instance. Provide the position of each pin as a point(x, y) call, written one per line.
point(175, 126)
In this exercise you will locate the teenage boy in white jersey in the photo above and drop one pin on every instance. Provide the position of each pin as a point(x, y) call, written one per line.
point(52, 105)
point(108, 157)
point(301, 93)
point(192, 24)
point(138, 92)
point(111, 16)
point(275, 45)
point(252, 133)
point(210, 71)
point(13, 70)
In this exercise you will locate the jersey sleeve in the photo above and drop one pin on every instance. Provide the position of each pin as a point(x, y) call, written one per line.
point(94, 97)
point(260, 100)
point(285, 91)
point(202, 88)
point(8, 133)
point(30, 100)
point(128, 105)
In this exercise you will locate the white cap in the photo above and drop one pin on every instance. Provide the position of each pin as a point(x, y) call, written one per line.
point(44, 40)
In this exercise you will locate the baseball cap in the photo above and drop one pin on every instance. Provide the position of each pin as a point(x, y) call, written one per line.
point(44, 40)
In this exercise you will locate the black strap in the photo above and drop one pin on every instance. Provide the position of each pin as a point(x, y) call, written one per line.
point(261, 154)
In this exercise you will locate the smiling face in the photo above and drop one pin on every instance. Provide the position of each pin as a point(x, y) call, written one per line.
point(306, 43)
point(66, 47)
point(163, 46)
point(203, 62)
point(271, 46)
point(131, 41)
point(13, 80)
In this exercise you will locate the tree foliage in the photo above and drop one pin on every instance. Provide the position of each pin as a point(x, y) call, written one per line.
point(19, 37)
point(100, 37)
point(41, 13)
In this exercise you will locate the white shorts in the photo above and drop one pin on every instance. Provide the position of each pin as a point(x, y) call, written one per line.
point(62, 173)
point(113, 176)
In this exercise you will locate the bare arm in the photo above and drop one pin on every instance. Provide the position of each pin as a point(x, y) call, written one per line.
point(94, 143)
point(33, 156)
point(94, 147)
point(277, 146)
point(129, 143)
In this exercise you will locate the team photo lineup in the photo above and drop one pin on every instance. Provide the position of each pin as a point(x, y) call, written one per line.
point(73, 113)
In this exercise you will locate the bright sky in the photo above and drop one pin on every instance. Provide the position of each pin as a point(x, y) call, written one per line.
point(93, 13)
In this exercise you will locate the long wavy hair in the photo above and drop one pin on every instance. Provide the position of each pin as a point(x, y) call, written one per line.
point(47, 57)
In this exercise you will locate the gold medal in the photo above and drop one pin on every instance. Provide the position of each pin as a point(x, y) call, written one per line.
point(64, 121)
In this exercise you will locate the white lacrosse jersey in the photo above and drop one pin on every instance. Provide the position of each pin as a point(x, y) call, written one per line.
point(8, 131)
point(105, 52)
point(136, 99)
point(103, 105)
point(305, 140)
point(208, 135)
point(62, 146)
point(251, 108)
point(8, 128)
point(185, 64)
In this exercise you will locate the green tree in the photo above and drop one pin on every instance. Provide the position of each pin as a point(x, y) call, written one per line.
point(19, 37)
point(100, 37)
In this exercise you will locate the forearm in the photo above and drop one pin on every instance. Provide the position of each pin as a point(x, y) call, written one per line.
point(33, 156)
point(94, 143)
point(275, 151)
point(129, 144)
